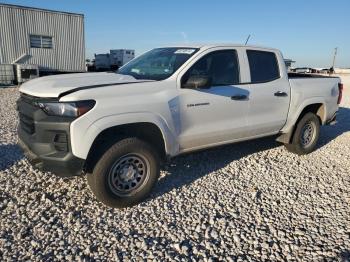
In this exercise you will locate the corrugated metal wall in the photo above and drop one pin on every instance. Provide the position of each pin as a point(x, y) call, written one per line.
point(67, 30)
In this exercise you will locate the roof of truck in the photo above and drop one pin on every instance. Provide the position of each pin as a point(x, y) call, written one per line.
point(213, 45)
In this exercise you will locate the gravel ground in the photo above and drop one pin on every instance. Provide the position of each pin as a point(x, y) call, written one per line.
point(251, 201)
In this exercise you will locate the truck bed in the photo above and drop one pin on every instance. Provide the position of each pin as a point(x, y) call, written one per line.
point(310, 89)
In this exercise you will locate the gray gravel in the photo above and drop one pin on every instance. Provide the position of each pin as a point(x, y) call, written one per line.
point(251, 201)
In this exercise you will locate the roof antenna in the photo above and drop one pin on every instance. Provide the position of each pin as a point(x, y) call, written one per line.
point(246, 41)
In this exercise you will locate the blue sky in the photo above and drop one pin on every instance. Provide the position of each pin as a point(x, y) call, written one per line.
point(306, 31)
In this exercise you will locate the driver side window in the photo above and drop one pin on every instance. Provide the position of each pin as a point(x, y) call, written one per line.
point(220, 66)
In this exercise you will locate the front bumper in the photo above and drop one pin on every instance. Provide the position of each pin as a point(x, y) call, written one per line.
point(45, 140)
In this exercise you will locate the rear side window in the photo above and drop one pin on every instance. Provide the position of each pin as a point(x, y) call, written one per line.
point(263, 66)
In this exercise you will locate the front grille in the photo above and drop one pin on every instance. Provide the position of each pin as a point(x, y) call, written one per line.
point(27, 123)
point(27, 106)
point(26, 109)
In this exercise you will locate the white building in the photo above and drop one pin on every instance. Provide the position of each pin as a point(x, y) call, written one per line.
point(51, 40)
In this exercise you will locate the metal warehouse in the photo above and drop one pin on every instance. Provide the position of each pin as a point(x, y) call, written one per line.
point(52, 40)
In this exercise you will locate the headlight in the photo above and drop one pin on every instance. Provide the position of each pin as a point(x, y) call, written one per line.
point(68, 109)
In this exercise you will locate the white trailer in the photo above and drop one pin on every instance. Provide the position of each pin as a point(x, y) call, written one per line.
point(102, 62)
point(120, 57)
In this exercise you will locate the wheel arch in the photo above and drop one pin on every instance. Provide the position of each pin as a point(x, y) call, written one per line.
point(84, 131)
point(319, 109)
point(147, 131)
point(316, 108)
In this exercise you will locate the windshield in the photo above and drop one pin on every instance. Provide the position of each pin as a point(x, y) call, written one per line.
point(157, 64)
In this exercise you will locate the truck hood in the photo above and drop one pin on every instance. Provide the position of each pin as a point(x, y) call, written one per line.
point(54, 86)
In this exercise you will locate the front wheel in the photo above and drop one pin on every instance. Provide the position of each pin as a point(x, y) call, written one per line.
point(125, 174)
point(306, 135)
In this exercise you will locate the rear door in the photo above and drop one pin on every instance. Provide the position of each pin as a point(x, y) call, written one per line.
point(269, 92)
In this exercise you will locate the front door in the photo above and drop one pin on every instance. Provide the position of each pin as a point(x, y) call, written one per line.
point(215, 114)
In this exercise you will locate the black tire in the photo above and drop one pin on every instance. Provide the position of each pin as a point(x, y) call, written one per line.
point(304, 141)
point(125, 174)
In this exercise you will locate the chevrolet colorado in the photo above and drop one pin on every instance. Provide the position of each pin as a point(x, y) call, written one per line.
point(118, 127)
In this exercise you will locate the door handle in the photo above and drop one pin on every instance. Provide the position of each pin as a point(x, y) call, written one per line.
point(280, 93)
point(239, 97)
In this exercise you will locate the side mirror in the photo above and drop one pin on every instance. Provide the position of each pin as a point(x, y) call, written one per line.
point(198, 82)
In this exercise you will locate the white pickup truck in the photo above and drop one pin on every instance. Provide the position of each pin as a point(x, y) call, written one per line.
point(118, 127)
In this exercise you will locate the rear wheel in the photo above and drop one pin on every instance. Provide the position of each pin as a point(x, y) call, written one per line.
point(125, 174)
point(305, 135)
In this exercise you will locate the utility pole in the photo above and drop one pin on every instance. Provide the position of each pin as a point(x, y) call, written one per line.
point(335, 54)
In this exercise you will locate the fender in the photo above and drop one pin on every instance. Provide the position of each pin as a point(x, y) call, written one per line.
point(292, 118)
point(81, 141)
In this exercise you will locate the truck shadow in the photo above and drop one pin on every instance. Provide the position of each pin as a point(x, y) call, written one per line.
point(185, 169)
point(9, 154)
point(344, 255)
point(329, 133)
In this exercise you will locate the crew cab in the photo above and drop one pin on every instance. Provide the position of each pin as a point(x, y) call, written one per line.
point(118, 127)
